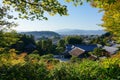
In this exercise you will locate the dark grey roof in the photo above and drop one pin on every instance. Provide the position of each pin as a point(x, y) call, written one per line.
point(30, 46)
point(69, 47)
point(87, 47)
point(82, 46)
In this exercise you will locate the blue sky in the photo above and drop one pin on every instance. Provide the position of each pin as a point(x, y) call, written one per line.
point(82, 17)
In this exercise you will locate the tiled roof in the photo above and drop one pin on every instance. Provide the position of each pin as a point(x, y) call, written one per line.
point(111, 50)
point(30, 46)
point(84, 47)
point(69, 47)
point(76, 51)
point(87, 47)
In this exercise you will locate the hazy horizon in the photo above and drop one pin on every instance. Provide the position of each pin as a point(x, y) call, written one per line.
point(59, 30)
point(82, 17)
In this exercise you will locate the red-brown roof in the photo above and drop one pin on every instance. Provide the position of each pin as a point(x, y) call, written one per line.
point(76, 51)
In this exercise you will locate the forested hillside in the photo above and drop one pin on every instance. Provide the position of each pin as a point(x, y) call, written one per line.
point(41, 33)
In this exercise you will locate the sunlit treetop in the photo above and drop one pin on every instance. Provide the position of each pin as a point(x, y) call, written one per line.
point(35, 9)
point(111, 17)
point(4, 16)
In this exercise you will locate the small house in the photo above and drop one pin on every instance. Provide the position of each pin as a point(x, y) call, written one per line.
point(110, 50)
point(79, 50)
point(30, 47)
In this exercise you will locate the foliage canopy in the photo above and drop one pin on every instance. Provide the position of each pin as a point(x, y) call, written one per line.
point(35, 9)
point(17, 67)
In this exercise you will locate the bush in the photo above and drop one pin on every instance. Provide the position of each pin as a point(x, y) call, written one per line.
point(32, 57)
point(68, 71)
point(35, 52)
point(2, 50)
point(28, 71)
point(15, 67)
point(48, 56)
point(64, 72)
point(75, 59)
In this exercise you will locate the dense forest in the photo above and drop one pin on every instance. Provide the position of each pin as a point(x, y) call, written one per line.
point(24, 58)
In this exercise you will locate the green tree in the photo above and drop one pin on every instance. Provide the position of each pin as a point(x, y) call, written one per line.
point(35, 9)
point(61, 46)
point(39, 46)
point(103, 39)
point(61, 43)
point(99, 52)
point(111, 17)
point(73, 40)
point(4, 16)
point(24, 40)
point(27, 39)
point(8, 38)
point(47, 46)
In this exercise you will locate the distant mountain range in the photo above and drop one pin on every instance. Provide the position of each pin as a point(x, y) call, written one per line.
point(79, 32)
point(39, 34)
point(58, 33)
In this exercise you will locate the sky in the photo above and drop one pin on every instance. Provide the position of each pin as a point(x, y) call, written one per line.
point(82, 17)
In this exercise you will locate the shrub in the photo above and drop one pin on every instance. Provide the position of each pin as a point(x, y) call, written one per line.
point(15, 67)
point(48, 56)
point(2, 50)
point(35, 52)
point(74, 59)
point(28, 71)
point(32, 57)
